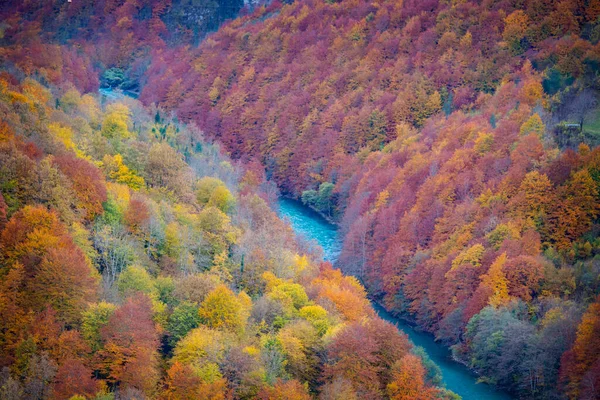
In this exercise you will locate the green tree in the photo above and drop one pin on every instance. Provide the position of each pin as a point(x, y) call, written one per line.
point(295, 292)
point(113, 77)
point(184, 318)
point(321, 200)
point(205, 188)
point(317, 316)
point(94, 319)
point(136, 279)
point(222, 198)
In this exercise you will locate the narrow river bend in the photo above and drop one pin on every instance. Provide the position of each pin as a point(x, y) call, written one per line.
point(456, 376)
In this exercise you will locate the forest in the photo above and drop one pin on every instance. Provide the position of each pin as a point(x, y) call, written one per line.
point(454, 142)
point(134, 261)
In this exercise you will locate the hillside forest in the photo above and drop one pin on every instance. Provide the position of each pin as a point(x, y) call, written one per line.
point(454, 143)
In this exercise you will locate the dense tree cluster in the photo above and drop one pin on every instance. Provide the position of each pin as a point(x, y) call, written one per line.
point(430, 129)
point(136, 261)
point(113, 38)
point(317, 87)
point(482, 231)
point(452, 140)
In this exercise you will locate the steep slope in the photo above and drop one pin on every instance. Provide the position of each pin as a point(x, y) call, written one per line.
point(316, 86)
point(453, 140)
point(75, 41)
point(136, 261)
point(435, 131)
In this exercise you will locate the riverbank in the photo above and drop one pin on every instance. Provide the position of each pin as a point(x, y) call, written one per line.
point(414, 326)
point(116, 94)
point(327, 218)
point(311, 225)
point(456, 376)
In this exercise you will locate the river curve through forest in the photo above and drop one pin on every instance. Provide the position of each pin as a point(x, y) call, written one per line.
point(456, 376)
point(312, 226)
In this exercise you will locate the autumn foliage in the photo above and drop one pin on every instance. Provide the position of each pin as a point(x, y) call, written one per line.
point(125, 269)
point(446, 138)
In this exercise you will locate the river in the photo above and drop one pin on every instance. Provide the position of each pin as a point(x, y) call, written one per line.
point(313, 226)
point(456, 377)
point(112, 94)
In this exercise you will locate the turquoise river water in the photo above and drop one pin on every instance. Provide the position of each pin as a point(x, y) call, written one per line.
point(312, 226)
point(456, 376)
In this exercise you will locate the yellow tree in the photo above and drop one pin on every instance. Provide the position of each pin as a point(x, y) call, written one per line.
point(205, 188)
point(537, 190)
point(496, 281)
point(483, 142)
point(202, 349)
point(222, 309)
point(96, 316)
point(173, 245)
point(317, 316)
point(116, 122)
point(572, 216)
point(533, 125)
point(472, 256)
point(294, 291)
point(515, 28)
point(136, 279)
point(222, 199)
point(116, 170)
point(65, 135)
